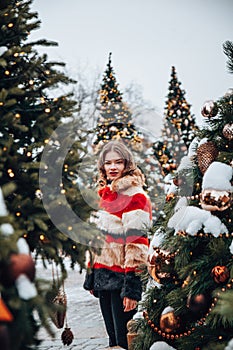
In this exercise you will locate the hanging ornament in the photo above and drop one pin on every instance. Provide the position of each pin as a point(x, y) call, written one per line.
point(60, 301)
point(206, 154)
point(215, 200)
point(220, 274)
point(197, 303)
point(67, 336)
point(228, 131)
point(18, 264)
point(209, 109)
point(169, 322)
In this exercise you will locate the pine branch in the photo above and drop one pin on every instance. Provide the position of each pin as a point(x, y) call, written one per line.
point(228, 50)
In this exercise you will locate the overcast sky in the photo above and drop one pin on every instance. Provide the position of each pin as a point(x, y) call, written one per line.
point(146, 37)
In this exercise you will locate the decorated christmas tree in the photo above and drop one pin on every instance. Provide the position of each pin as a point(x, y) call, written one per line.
point(117, 122)
point(115, 118)
point(178, 128)
point(41, 149)
point(188, 302)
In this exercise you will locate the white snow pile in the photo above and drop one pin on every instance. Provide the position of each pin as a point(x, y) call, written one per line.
point(161, 345)
point(156, 241)
point(191, 219)
point(218, 176)
point(229, 345)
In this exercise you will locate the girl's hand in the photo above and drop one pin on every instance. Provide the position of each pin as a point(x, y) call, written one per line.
point(129, 304)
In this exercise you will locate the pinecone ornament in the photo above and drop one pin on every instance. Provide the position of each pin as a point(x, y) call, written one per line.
point(206, 154)
point(59, 315)
point(67, 336)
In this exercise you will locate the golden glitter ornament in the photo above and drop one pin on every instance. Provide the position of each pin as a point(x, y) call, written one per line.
point(220, 274)
point(169, 322)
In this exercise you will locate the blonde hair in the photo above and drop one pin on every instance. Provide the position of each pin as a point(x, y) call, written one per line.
point(129, 163)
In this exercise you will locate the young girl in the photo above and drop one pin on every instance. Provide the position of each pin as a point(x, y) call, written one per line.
point(124, 218)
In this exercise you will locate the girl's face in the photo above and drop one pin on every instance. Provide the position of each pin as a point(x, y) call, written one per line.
point(113, 165)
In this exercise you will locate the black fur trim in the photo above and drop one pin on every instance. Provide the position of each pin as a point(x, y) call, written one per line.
point(132, 287)
point(135, 232)
point(105, 279)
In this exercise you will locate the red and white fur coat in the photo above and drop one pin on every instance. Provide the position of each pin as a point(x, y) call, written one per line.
point(124, 217)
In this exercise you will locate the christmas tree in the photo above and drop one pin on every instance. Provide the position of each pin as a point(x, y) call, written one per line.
point(117, 122)
point(188, 302)
point(178, 129)
point(41, 148)
point(115, 118)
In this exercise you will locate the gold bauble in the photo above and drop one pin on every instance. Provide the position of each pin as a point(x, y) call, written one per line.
point(220, 274)
point(169, 322)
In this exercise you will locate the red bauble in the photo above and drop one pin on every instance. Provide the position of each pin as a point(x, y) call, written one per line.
point(19, 264)
point(220, 274)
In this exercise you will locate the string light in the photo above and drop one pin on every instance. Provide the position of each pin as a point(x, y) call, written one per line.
point(203, 234)
point(10, 173)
